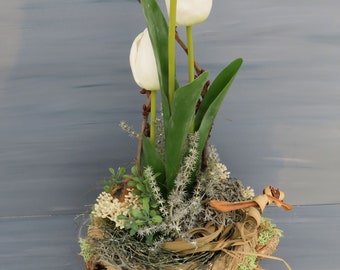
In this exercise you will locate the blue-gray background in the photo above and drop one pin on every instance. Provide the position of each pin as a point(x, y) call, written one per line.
point(65, 84)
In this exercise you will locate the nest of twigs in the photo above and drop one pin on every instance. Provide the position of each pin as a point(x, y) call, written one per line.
point(211, 247)
point(220, 228)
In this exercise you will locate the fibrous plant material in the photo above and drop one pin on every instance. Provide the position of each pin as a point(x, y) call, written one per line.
point(179, 243)
point(190, 233)
point(230, 247)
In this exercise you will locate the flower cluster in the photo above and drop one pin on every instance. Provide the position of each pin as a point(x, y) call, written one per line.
point(112, 208)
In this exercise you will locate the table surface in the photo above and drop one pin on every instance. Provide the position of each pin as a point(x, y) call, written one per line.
point(65, 84)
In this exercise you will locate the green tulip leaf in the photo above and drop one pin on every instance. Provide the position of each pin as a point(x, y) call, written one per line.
point(220, 85)
point(211, 104)
point(178, 126)
point(150, 157)
point(213, 100)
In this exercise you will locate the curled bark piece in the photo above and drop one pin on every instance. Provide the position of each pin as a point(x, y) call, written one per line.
point(271, 195)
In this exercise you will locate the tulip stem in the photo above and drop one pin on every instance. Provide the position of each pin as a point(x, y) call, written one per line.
point(153, 117)
point(185, 48)
point(191, 58)
point(191, 63)
point(171, 49)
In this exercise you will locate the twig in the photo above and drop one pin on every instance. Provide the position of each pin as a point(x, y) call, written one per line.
point(146, 109)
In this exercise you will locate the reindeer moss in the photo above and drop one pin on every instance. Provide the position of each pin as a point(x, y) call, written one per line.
point(249, 263)
point(85, 249)
point(267, 232)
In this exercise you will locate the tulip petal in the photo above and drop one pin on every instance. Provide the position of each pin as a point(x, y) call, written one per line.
point(143, 62)
point(190, 12)
point(133, 57)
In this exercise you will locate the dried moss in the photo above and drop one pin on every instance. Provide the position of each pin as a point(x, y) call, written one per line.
point(118, 248)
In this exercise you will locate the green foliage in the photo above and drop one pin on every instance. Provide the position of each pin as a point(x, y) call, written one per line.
point(178, 126)
point(149, 214)
point(150, 157)
point(179, 116)
point(211, 104)
point(213, 100)
point(114, 180)
point(215, 95)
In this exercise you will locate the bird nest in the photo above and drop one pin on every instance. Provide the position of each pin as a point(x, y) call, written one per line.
point(237, 246)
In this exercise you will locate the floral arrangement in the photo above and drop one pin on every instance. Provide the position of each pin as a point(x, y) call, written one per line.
point(179, 207)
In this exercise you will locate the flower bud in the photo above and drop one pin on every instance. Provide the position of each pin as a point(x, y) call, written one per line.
point(143, 62)
point(190, 12)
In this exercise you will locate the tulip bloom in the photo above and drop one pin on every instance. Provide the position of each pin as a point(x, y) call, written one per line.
point(190, 12)
point(143, 62)
point(144, 70)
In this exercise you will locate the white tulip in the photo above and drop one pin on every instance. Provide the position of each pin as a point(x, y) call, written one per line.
point(190, 12)
point(143, 62)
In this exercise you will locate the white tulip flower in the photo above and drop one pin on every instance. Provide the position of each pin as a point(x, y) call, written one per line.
point(190, 12)
point(143, 62)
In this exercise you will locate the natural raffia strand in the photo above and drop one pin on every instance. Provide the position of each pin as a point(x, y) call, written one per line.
point(232, 241)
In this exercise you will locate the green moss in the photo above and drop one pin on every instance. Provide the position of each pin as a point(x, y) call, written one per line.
point(85, 249)
point(268, 231)
point(249, 263)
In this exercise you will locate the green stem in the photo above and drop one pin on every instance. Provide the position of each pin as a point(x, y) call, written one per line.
point(171, 49)
point(191, 57)
point(191, 63)
point(153, 117)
